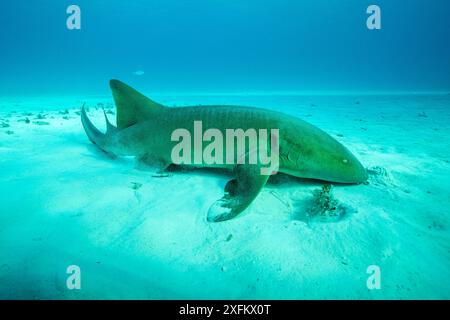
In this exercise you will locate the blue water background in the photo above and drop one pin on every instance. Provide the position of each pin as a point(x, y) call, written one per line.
point(224, 46)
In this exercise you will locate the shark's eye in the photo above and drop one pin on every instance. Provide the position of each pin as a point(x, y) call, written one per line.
point(344, 161)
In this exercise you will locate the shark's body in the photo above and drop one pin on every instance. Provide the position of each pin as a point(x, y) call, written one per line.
point(144, 130)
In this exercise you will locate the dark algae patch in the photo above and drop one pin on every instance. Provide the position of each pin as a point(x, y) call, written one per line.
point(324, 206)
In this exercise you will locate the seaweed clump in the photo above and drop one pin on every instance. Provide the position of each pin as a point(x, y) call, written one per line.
point(325, 206)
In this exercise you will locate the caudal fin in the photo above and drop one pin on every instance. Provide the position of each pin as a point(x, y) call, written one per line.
point(131, 105)
point(96, 136)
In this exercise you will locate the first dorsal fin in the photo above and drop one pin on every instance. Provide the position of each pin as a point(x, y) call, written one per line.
point(131, 105)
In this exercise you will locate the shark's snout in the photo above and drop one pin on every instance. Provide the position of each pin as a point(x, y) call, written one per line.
point(346, 168)
point(362, 175)
point(356, 173)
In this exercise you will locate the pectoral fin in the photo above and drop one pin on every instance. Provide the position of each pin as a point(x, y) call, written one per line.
point(239, 193)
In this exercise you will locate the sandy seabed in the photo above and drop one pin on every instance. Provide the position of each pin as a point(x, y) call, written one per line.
point(135, 235)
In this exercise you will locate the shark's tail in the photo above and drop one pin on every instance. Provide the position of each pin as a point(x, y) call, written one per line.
point(96, 136)
point(132, 108)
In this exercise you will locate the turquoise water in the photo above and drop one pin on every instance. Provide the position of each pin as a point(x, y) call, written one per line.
point(223, 46)
point(135, 234)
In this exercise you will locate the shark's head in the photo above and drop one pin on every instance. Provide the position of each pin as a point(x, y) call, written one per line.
point(322, 157)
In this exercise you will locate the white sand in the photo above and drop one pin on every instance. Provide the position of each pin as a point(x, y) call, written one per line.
point(63, 202)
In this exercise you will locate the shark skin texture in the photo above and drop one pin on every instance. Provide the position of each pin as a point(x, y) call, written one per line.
point(144, 130)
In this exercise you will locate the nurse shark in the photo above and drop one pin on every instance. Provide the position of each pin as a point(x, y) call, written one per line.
point(145, 129)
